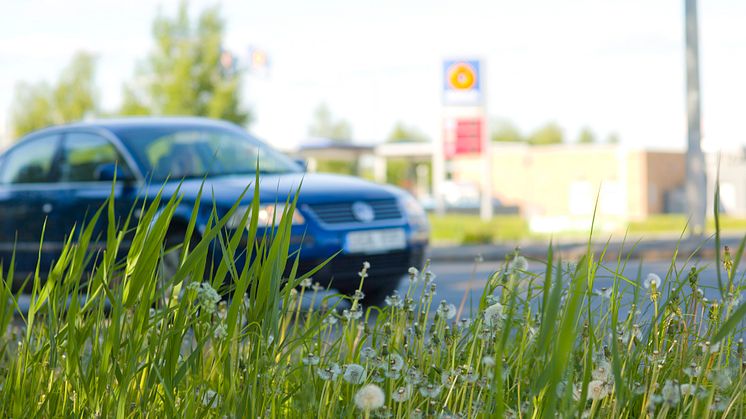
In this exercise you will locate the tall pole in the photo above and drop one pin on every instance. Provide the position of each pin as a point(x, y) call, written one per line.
point(696, 185)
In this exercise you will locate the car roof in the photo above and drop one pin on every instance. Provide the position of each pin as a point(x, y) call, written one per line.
point(116, 124)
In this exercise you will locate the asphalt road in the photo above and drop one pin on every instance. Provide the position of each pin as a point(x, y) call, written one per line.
point(459, 281)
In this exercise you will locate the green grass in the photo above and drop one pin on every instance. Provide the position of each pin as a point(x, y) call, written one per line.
point(675, 223)
point(533, 345)
point(470, 229)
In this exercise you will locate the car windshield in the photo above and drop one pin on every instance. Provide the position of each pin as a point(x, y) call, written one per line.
point(196, 152)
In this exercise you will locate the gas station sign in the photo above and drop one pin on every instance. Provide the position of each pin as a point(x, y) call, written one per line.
point(461, 82)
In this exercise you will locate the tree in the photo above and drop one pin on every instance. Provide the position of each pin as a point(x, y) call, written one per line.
point(586, 136)
point(188, 73)
point(74, 96)
point(550, 133)
point(506, 132)
point(324, 126)
point(403, 133)
point(613, 138)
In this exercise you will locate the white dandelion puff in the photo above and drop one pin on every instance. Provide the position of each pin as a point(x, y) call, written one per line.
point(652, 280)
point(311, 359)
point(671, 393)
point(354, 374)
point(367, 353)
point(401, 394)
point(519, 263)
point(493, 315)
point(446, 310)
point(220, 332)
point(597, 390)
point(329, 373)
point(430, 390)
point(369, 397)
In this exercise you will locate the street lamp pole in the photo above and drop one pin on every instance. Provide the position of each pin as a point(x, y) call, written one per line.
point(696, 186)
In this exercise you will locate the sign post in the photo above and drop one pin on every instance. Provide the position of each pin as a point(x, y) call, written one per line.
point(465, 128)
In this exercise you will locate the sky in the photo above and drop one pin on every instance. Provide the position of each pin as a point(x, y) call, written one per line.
point(615, 66)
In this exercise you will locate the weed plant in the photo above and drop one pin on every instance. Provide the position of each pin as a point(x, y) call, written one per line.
point(121, 340)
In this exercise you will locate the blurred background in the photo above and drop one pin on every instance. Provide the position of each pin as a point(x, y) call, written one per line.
point(579, 104)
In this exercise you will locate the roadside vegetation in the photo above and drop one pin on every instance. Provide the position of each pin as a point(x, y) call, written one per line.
point(450, 229)
point(124, 341)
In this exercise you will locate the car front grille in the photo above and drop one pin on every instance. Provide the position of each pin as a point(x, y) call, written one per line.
point(341, 212)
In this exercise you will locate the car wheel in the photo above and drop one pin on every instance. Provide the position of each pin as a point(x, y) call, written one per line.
point(170, 263)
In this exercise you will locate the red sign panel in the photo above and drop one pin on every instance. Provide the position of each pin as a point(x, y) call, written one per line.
point(463, 136)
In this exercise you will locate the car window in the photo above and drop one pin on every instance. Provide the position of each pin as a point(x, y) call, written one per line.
point(83, 156)
point(183, 152)
point(31, 162)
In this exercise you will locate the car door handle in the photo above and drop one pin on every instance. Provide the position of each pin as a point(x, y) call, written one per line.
point(47, 208)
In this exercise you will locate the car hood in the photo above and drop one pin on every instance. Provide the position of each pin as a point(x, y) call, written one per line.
point(313, 187)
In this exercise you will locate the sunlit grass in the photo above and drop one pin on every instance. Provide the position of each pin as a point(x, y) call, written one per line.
point(454, 229)
point(532, 345)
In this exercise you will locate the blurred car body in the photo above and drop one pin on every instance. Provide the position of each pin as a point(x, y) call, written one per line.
point(61, 175)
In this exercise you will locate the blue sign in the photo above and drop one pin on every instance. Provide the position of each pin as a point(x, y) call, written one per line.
point(462, 84)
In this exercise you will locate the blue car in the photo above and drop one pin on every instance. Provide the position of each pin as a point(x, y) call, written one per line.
point(63, 174)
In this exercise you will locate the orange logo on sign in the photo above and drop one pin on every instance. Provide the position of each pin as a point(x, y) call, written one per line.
point(461, 76)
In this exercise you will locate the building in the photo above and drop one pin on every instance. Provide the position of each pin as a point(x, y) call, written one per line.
point(556, 187)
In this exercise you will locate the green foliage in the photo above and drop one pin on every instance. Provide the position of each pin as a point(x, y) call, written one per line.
point(342, 167)
point(183, 75)
point(73, 97)
point(470, 229)
point(505, 132)
point(613, 138)
point(586, 136)
point(325, 126)
point(550, 133)
point(403, 133)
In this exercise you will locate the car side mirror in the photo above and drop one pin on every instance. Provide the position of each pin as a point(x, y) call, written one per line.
point(108, 171)
point(302, 163)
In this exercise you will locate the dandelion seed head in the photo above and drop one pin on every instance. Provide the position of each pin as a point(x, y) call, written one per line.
point(430, 390)
point(670, 393)
point(413, 376)
point(693, 370)
point(367, 354)
point(211, 399)
point(493, 315)
point(311, 359)
point(602, 372)
point(688, 390)
point(329, 372)
point(448, 378)
point(604, 292)
point(446, 310)
point(354, 374)
point(220, 332)
point(597, 390)
point(401, 394)
point(395, 362)
point(652, 280)
point(519, 263)
point(369, 397)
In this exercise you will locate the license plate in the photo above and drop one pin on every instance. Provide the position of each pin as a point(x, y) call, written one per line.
point(375, 241)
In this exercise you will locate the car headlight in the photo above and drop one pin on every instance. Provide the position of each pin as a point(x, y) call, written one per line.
point(268, 215)
point(414, 211)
